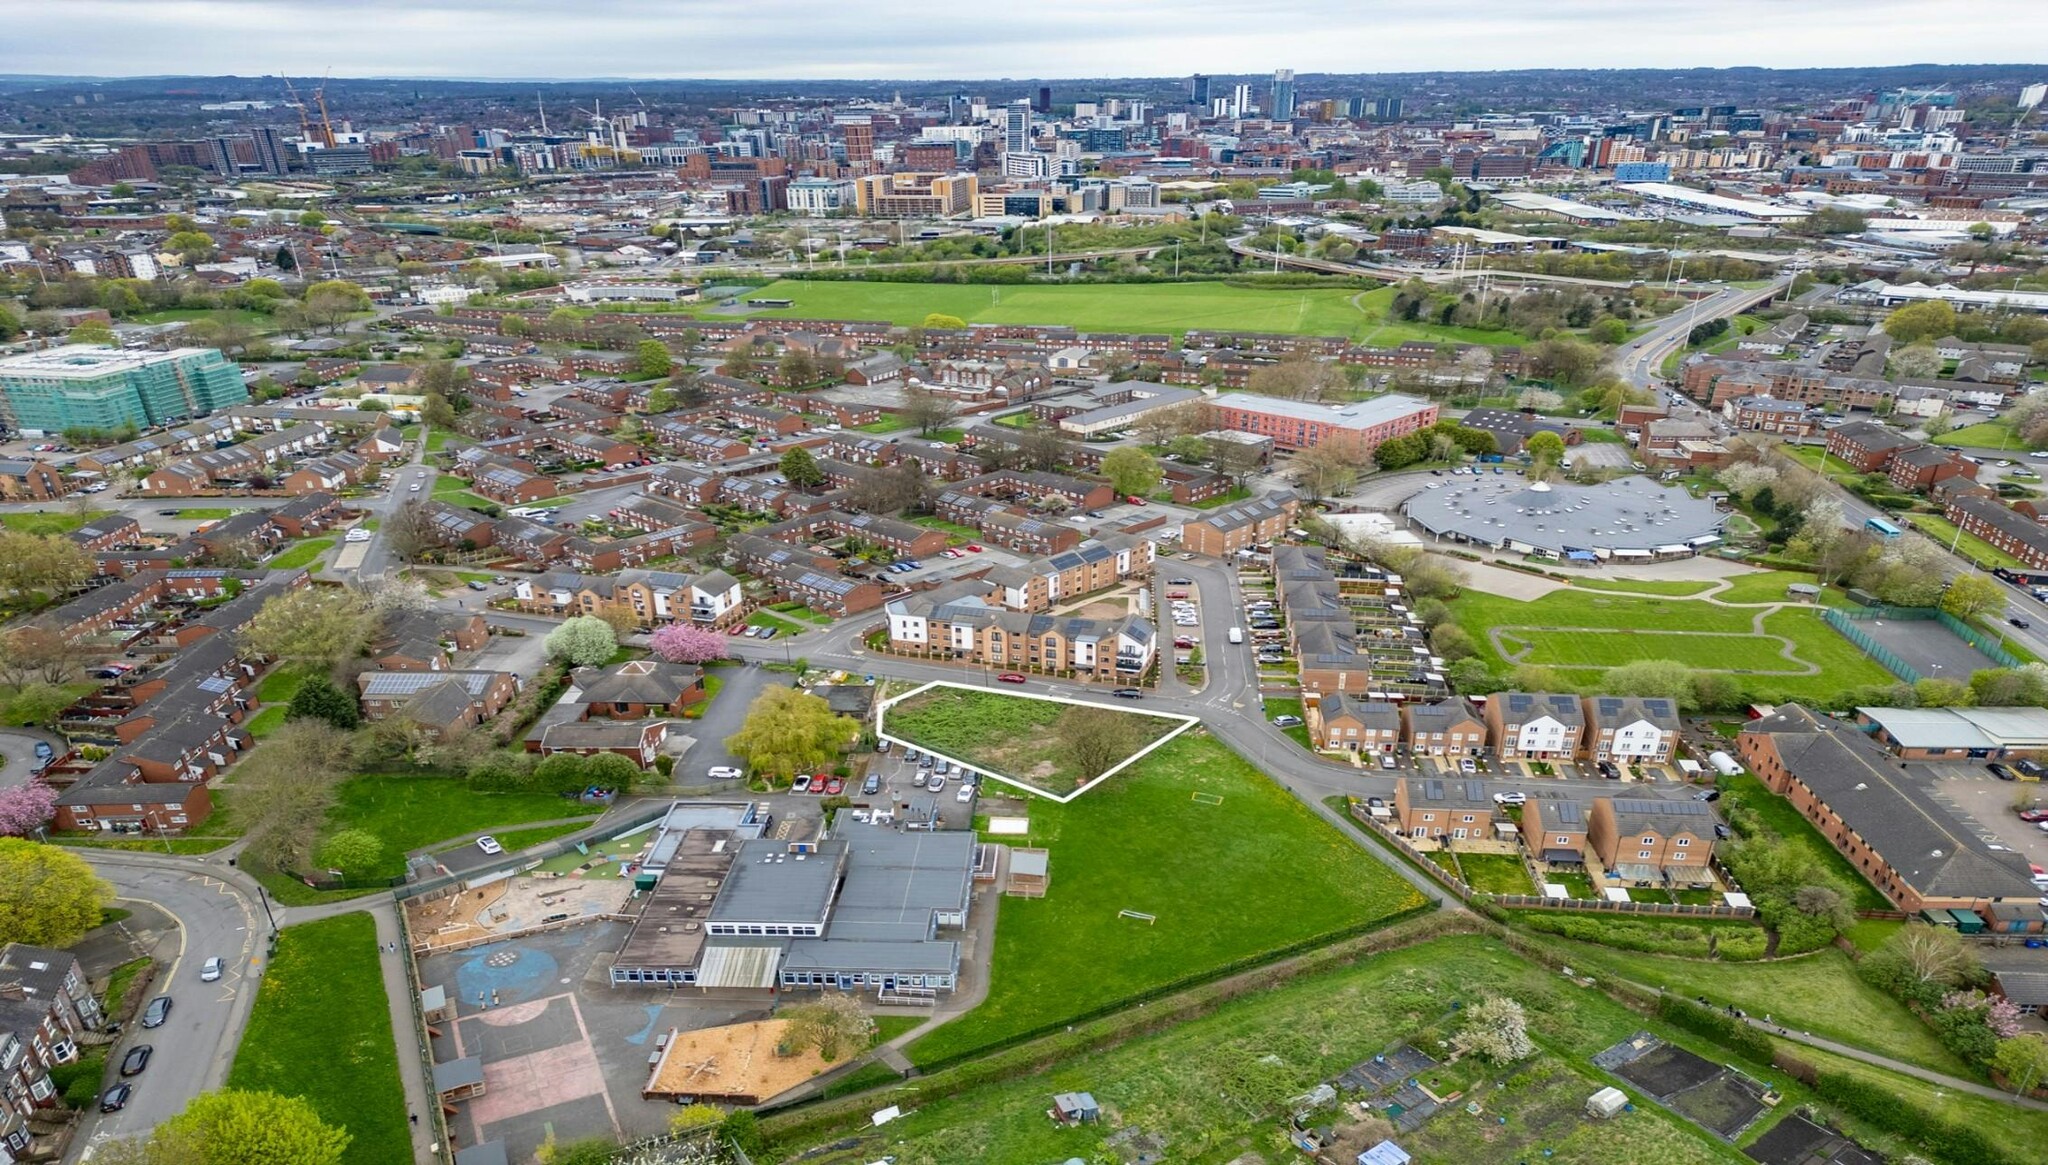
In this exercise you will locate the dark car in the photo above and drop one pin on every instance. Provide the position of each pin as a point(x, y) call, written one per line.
point(116, 1098)
point(2002, 772)
point(1180, 582)
point(871, 786)
point(1721, 831)
point(477, 586)
point(1128, 694)
point(1707, 795)
point(136, 1060)
point(157, 1012)
point(2022, 624)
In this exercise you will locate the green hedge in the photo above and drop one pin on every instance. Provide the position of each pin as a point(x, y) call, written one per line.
point(1654, 936)
point(1941, 1138)
point(1724, 1029)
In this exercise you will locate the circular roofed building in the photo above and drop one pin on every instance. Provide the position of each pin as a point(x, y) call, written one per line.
point(1627, 519)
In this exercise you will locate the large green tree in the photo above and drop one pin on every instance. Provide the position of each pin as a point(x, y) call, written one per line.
point(236, 1127)
point(585, 641)
point(319, 625)
point(801, 468)
point(1928, 320)
point(788, 731)
point(49, 896)
point(1131, 471)
point(652, 358)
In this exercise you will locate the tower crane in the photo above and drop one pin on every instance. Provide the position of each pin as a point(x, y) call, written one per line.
point(320, 98)
point(305, 128)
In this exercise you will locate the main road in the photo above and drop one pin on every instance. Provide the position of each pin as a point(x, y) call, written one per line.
point(217, 916)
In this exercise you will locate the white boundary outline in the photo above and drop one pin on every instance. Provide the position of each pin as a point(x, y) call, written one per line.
point(882, 732)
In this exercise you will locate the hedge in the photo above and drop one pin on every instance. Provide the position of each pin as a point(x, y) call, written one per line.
point(1943, 1139)
point(1737, 1036)
point(1654, 937)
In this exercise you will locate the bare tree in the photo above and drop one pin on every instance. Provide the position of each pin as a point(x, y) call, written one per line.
point(410, 530)
point(1095, 738)
point(928, 410)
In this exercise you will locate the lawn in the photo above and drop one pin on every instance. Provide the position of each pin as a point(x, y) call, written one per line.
point(1126, 846)
point(321, 1029)
point(410, 812)
point(267, 721)
point(207, 513)
point(1818, 993)
point(438, 439)
point(1763, 586)
point(54, 522)
point(1496, 873)
point(1160, 307)
point(1775, 815)
point(799, 611)
point(119, 981)
point(1236, 493)
point(1993, 435)
point(1299, 732)
point(15, 717)
point(301, 554)
point(1584, 631)
point(1014, 736)
point(885, 425)
point(1968, 545)
point(1636, 586)
point(770, 619)
point(1217, 1086)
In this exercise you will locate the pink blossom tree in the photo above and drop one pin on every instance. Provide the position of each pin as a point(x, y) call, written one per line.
point(26, 808)
point(686, 643)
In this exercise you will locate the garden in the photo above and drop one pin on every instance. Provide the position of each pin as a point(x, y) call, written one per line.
point(321, 1029)
point(1190, 839)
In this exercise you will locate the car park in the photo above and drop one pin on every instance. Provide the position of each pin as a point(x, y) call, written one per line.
point(136, 1060)
point(910, 756)
point(927, 761)
point(724, 773)
point(157, 1012)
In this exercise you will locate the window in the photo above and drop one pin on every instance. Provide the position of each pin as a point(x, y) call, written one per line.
point(1562, 840)
point(1649, 841)
point(1682, 842)
point(1645, 855)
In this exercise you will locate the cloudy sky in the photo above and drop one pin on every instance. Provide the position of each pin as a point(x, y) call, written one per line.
point(1031, 38)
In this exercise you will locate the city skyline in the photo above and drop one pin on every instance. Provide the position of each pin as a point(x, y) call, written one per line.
point(523, 39)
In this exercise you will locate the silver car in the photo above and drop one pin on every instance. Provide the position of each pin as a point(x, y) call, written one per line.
point(212, 969)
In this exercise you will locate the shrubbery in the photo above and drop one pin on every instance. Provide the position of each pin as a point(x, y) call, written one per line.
point(1651, 936)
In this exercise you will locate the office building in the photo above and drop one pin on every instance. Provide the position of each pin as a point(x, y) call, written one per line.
point(1198, 90)
point(1283, 94)
point(912, 194)
point(859, 133)
point(1017, 127)
point(272, 155)
point(86, 386)
point(819, 195)
point(1044, 104)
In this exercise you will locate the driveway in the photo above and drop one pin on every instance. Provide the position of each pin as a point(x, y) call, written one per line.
point(724, 718)
point(18, 754)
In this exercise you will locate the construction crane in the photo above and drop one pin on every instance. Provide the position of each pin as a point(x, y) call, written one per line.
point(320, 98)
point(541, 100)
point(305, 128)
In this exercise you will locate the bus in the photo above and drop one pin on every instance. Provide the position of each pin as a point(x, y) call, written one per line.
point(1883, 529)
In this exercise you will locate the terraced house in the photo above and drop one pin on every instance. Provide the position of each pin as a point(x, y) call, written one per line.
point(46, 1008)
point(959, 621)
point(1631, 729)
point(1535, 725)
point(1450, 727)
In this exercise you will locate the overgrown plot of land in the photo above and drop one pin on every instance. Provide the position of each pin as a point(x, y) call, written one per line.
point(406, 813)
point(322, 1030)
point(1015, 736)
point(1244, 870)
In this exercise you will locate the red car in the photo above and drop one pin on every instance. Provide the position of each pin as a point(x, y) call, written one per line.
point(2034, 815)
point(971, 548)
point(1176, 594)
point(1183, 642)
point(833, 786)
point(1011, 677)
point(736, 629)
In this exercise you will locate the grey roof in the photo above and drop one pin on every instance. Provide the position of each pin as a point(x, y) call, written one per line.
point(485, 1153)
point(1636, 814)
point(1469, 793)
point(1438, 716)
point(1891, 806)
point(917, 958)
point(1614, 711)
point(409, 683)
point(1372, 713)
point(468, 1072)
point(1627, 514)
point(769, 884)
point(578, 734)
point(639, 681)
point(1521, 707)
point(895, 882)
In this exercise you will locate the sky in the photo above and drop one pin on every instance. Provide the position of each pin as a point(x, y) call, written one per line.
point(915, 39)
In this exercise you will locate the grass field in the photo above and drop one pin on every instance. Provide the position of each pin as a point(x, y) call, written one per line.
point(1777, 816)
point(321, 1029)
point(409, 812)
point(1126, 846)
point(1161, 307)
point(55, 522)
point(1817, 993)
point(1992, 435)
point(1633, 586)
point(1585, 632)
point(302, 554)
point(1218, 1086)
point(1496, 873)
point(1944, 533)
point(1015, 736)
point(1768, 586)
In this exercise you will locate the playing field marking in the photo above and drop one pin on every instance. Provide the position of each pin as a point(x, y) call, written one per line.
point(1141, 916)
point(1208, 798)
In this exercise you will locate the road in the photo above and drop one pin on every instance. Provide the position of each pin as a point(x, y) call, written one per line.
point(193, 1051)
point(1639, 359)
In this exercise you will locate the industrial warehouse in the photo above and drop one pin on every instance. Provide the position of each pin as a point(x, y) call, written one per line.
point(1629, 519)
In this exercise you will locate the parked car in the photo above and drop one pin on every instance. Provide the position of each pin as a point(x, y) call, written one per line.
point(212, 969)
point(136, 1060)
point(724, 773)
point(1467, 765)
point(1180, 582)
point(2022, 624)
point(882, 746)
point(116, 1098)
point(2033, 815)
point(1010, 677)
point(833, 786)
point(1511, 797)
point(1286, 721)
point(802, 784)
point(478, 586)
point(1387, 761)
point(872, 785)
point(965, 794)
point(1128, 694)
point(489, 845)
point(501, 581)
point(1707, 795)
point(157, 1012)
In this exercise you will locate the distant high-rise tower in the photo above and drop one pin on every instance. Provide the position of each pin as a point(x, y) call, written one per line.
point(222, 155)
point(1241, 101)
point(271, 155)
point(1283, 95)
point(1017, 127)
point(860, 142)
point(1198, 90)
point(1044, 104)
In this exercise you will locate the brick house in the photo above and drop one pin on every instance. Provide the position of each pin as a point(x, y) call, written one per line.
point(1655, 841)
point(1229, 529)
point(1428, 808)
point(638, 741)
point(46, 1009)
point(1866, 446)
point(639, 689)
point(2007, 529)
point(1631, 729)
point(511, 485)
point(441, 703)
point(1554, 828)
point(1763, 414)
point(1342, 722)
point(1452, 727)
point(335, 471)
point(29, 481)
point(1535, 725)
point(1920, 467)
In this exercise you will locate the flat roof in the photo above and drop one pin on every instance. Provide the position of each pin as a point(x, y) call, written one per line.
point(87, 361)
point(1684, 195)
point(1631, 515)
point(1360, 415)
point(768, 883)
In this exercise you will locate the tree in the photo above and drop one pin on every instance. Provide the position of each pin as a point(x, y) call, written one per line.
point(1941, 692)
point(1971, 595)
point(609, 770)
point(1470, 675)
point(237, 1127)
point(833, 1024)
point(2000, 687)
point(1546, 451)
point(1095, 738)
point(941, 321)
point(330, 304)
point(318, 699)
point(355, 852)
point(1400, 452)
point(1652, 677)
point(317, 625)
point(190, 246)
point(1567, 361)
point(927, 410)
point(1933, 954)
point(797, 368)
point(1835, 220)
point(49, 896)
point(39, 704)
point(801, 469)
point(2023, 1061)
point(564, 772)
point(1927, 320)
point(687, 643)
point(1916, 361)
point(695, 1118)
point(1495, 1029)
point(283, 789)
point(26, 808)
point(1609, 331)
point(788, 731)
point(410, 530)
point(1298, 378)
point(1452, 642)
point(1191, 448)
point(37, 654)
point(651, 359)
point(1131, 471)
point(93, 332)
point(584, 641)
point(1323, 470)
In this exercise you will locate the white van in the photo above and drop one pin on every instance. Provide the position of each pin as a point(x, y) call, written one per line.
point(1237, 635)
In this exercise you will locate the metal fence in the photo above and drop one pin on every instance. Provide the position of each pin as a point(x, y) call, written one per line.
point(1844, 619)
point(606, 827)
